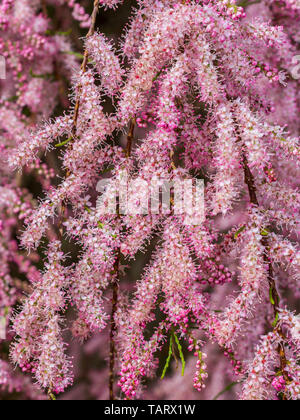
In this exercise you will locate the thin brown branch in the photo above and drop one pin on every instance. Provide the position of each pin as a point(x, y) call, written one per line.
point(44, 7)
point(130, 137)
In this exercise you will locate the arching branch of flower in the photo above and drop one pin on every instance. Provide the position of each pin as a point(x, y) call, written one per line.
point(77, 103)
point(115, 285)
point(250, 182)
point(171, 72)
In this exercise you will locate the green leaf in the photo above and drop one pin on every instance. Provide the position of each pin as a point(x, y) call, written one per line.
point(12, 99)
point(228, 388)
point(52, 396)
point(240, 230)
point(63, 143)
point(61, 33)
point(64, 33)
point(167, 364)
point(26, 111)
point(180, 353)
point(264, 232)
point(157, 75)
point(78, 55)
point(100, 225)
point(45, 76)
point(274, 323)
point(271, 296)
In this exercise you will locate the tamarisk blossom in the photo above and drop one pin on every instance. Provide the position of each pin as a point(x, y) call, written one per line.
point(227, 162)
point(79, 14)
point(139, 234)
point(253, 281)
point(195, 95)
point(16, 382)
point(106, 61)
point(292, 323)
point(39, 347)
point(178, 288)
point(258, 384)
point(257, 154)
point(205, 73)
point(30, 146)
point(110, 4)
point(8, 293)
point(201, 374)
point(37, 221)
point(159, 49)
point(202, 242)
point(285, 254)
point(283, 143)
point(93, 273)
point(82, 152)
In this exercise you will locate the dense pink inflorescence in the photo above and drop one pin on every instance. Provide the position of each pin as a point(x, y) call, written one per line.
point(195, 90)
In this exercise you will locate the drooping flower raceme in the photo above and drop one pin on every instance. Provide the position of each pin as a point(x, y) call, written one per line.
point(192, 91)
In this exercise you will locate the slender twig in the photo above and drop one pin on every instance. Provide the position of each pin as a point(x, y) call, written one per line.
point(44, 7)
point(130, 138)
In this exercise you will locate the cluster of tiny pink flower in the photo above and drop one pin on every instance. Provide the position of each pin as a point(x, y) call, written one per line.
point(196, 92)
